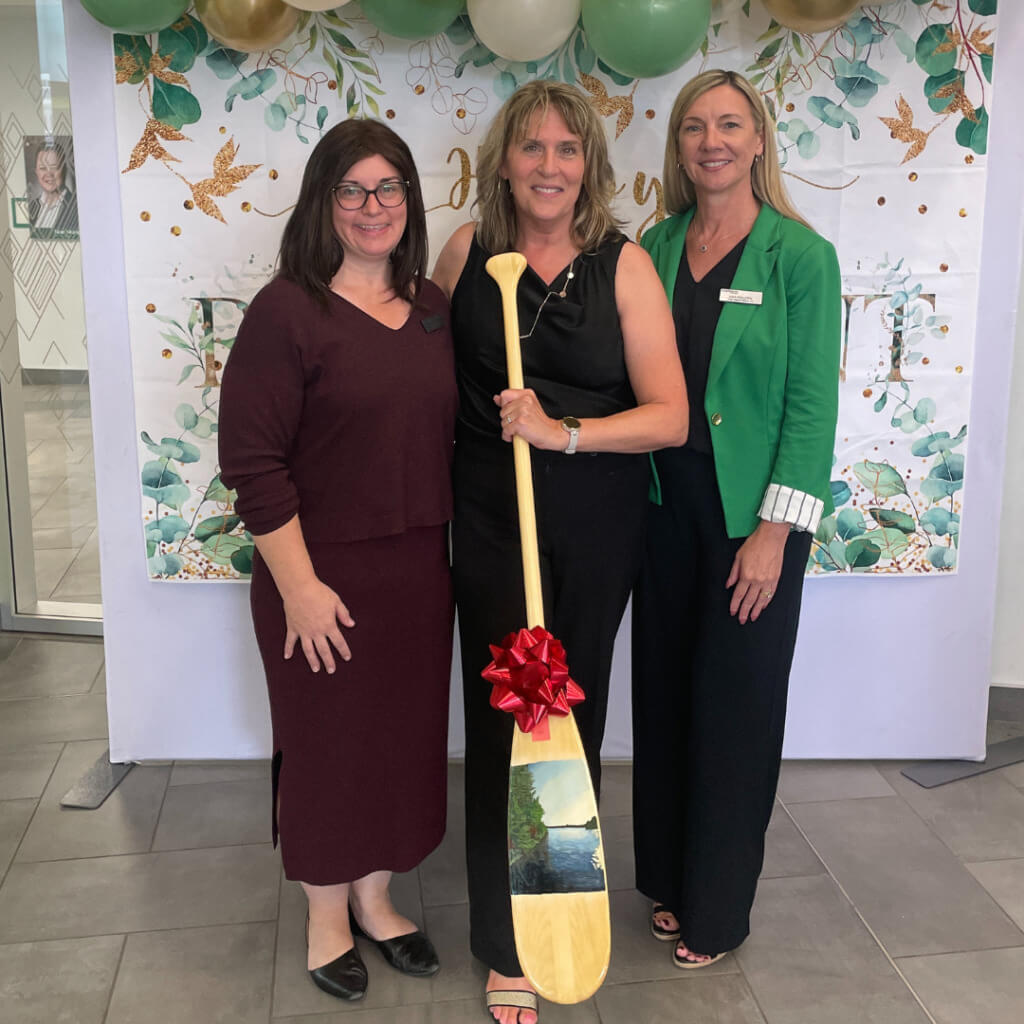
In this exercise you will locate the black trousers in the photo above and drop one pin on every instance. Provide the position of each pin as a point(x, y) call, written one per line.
point(709, 708)
point(591, 511)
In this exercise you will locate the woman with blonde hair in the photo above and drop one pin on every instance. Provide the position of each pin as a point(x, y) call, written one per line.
point(603, 387)
point(756, 302)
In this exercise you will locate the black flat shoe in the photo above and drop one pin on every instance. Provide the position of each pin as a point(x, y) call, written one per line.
point(412, 954)
point(345, 977)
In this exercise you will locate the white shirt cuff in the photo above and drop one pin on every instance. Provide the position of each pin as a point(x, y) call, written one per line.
point(788, 505)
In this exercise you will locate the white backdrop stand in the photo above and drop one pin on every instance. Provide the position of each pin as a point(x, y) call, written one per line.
point(183, 676)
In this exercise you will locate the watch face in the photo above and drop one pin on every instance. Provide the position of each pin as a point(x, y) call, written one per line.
point(570, 423)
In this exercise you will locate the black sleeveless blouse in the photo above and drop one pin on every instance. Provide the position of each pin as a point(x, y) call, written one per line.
point(696, 308)
point(574, 359)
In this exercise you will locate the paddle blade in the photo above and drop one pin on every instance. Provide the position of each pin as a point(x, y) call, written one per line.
point(557, 871)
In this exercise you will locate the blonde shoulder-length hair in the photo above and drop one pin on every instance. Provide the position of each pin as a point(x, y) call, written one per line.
point(765, 176)
point(593, 220)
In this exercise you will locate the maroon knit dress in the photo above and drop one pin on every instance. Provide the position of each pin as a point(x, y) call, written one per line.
point(330, 415)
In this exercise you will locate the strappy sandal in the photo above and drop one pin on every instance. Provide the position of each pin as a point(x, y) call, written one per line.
point(511, 998)
point(691, 965)
point(660, 932)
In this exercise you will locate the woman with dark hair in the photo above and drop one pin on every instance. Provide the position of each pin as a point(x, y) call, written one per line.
point(756, 302)
point(336, 423)
point(604, 387)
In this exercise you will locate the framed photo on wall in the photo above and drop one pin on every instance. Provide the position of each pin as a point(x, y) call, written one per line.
point(52, 202)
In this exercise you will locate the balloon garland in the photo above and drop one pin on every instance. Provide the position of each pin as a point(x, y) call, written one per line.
point(638, 38)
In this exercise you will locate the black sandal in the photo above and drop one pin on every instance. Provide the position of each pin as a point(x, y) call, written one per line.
point(661, 933)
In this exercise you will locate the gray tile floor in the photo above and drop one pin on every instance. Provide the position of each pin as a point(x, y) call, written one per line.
point(880, 903)
point(58, 442)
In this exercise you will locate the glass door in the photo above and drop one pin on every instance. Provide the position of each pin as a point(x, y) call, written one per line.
point(49, 554)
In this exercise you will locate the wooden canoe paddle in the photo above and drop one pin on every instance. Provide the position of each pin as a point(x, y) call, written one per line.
point(556, 856)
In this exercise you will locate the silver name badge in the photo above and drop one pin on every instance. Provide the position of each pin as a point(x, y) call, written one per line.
point(737, 295)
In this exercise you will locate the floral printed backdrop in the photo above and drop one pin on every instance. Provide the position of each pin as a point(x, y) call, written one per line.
point(882, 125)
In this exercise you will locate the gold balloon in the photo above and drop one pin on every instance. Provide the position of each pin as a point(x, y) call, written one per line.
point(249, 25)
point(330, 5)
point(811, 15)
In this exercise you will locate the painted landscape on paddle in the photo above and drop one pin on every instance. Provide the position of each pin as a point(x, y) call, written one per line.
point(554, 833)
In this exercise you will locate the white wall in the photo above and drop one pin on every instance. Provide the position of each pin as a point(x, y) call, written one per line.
point(48, 311)
point(183, 678)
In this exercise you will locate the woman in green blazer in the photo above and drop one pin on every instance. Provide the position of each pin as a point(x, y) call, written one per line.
point(755, 296)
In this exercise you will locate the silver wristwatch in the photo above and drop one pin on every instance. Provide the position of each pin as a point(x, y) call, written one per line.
point(571, 426)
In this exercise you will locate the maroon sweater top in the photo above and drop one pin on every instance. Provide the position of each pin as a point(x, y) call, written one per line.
point(331, 415)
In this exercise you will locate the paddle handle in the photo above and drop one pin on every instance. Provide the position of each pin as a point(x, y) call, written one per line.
point(506, 269)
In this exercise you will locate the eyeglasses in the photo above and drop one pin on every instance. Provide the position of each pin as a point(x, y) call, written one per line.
point(387, 193)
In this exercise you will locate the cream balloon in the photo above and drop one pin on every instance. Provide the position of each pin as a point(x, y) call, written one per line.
point(248, 25)
point(316, 5)
point(811, 15)
point(524, 30)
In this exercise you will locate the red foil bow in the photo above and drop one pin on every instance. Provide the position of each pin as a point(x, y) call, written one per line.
point(531, 677)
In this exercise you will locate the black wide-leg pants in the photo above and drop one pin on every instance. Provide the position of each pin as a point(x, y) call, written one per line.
point(709, 708)
point(591, 512)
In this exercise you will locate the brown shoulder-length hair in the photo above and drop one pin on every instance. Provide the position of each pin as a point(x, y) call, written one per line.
point(765, 175)
point(310, 251)
point(593, 220)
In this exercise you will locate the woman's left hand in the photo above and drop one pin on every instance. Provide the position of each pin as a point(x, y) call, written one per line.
point(522, 416)
point(756, 569)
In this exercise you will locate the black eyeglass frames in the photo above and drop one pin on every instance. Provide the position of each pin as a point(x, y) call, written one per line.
point(350, 196)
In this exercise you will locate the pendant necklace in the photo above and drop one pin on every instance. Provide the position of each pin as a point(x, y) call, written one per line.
point(561, 294)
point(703, 247)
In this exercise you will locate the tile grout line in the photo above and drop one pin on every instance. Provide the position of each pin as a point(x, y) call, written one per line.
point(750, 988)
point(961, 952)
point(833, 799)
point(75, 937)
point(32, 817)
point(277, 944)
point(125, 853)
point(863, 920)
point(113, 981)
point(160, 811)
point(55, 696)
point(142, 853)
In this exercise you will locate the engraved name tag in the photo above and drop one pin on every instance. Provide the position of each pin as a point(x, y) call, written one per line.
point(738, 295)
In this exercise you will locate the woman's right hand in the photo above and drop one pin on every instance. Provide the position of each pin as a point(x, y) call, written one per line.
point(312, 614)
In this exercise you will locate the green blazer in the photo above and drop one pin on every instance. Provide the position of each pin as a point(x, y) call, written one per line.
point(773, 384)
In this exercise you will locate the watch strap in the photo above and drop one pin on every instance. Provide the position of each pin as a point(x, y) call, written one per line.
point(571, 426)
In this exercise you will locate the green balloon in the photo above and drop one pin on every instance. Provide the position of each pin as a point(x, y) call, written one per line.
point(136, 17)
point(646, 38)
point(412, 19)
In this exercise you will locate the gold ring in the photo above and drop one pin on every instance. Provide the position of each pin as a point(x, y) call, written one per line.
point(766, 593)
point(508, 419)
